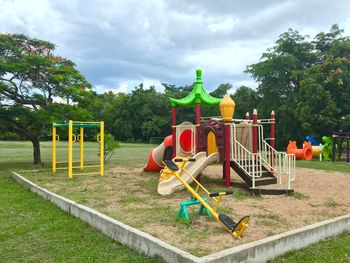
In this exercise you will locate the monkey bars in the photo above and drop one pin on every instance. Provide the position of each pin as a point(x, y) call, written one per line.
point(71, 139)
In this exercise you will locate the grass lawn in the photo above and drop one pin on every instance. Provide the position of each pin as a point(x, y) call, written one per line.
point(339, 166)
point(335, 250)
point(64, 229)
point(34, 230)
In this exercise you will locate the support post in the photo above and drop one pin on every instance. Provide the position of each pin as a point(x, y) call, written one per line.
point(247, 117)
point(273, 129)
point(255, 131)
point(272, 136)
point(347, 150)
point(81, 141)
point(102, 141)
point(53, 149)
point(198, 118)
point(173, 128)
point(227, 166)
point(333, 147)
point(70, 149)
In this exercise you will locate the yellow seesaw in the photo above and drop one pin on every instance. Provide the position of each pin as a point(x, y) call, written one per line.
point(236, 229)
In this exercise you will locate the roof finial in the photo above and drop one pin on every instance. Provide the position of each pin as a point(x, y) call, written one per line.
point(199, 75)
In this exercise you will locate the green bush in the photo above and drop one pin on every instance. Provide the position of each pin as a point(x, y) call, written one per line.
point(110, 145)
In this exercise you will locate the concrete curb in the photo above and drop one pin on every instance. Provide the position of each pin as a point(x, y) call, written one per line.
point(129, 236)
point(258, 251)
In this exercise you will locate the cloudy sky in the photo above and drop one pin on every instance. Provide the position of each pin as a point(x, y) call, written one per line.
point(119, 44)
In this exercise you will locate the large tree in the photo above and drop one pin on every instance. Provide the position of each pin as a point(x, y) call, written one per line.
point(306, 82)
point(32, 83)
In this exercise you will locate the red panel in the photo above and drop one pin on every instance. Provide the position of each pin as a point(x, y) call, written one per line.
point(185, 140)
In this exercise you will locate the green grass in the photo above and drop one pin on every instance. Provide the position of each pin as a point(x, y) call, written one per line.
point(335, 250)
point(34, 230)
point(338, 166)
point(298, 195)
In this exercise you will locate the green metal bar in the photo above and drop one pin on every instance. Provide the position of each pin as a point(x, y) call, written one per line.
point(82, 125)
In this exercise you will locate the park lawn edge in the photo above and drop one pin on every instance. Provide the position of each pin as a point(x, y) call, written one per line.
point(225, 254)
point(33, 230)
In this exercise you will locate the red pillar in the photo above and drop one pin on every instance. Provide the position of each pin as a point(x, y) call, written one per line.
point(247, 117)
point(255, 131)
point(227, 167)
point(173, 128)
point(273, 129)
point(198, 119)
point(272, 137)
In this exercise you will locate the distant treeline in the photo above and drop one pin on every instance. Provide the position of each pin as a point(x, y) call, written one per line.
point(306, 81)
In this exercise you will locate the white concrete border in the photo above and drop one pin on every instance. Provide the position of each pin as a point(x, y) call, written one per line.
point(129, 236)
point(258, 251)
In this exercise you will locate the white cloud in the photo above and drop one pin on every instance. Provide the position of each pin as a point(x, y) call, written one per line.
point(118, 44)
point(147, 83)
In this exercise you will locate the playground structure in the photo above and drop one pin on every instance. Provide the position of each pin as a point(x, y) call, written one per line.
point(343, 137)
point(235, 143)
point(72, 139)
point(311, 148)
point(324, 151)
point(236, 229)
point(304, 153)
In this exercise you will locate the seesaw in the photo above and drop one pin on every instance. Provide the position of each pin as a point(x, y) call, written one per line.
point(236, 229)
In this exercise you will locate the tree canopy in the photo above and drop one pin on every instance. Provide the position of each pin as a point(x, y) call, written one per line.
point(32, 82)
point(306, 81)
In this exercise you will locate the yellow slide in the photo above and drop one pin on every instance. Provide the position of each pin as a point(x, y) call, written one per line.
point(168, 186)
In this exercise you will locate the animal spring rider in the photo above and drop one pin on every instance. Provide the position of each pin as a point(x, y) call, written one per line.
point(71, 139)
point(236, 229)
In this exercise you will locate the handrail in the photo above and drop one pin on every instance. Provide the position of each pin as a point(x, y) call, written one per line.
point(249, 162)
point(279, 163)
point(289, 168)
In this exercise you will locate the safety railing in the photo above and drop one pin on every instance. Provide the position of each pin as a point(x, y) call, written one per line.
point(289, 168)
point(280, 163)
point(249, 162)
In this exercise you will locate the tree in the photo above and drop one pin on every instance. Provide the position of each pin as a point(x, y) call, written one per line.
point(219, 92)
point(306, 82)
point(32, 80)
point(246, 100)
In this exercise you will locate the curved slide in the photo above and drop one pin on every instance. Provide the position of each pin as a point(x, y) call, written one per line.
point(171, 185)
point(156, 156)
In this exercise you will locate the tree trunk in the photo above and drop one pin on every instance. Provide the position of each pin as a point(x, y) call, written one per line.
point(36, 151)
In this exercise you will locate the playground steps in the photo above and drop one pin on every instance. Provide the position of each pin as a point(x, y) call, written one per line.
point(273, 189)
point(267, 177)
point(264, 185)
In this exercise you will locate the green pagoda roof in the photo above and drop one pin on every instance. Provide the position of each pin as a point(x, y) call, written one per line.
point(198, 95)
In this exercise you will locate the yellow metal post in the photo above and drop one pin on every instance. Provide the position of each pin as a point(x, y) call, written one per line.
point(53, 149)
point(70, 149)
point(81, 139)
point(102, 138)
